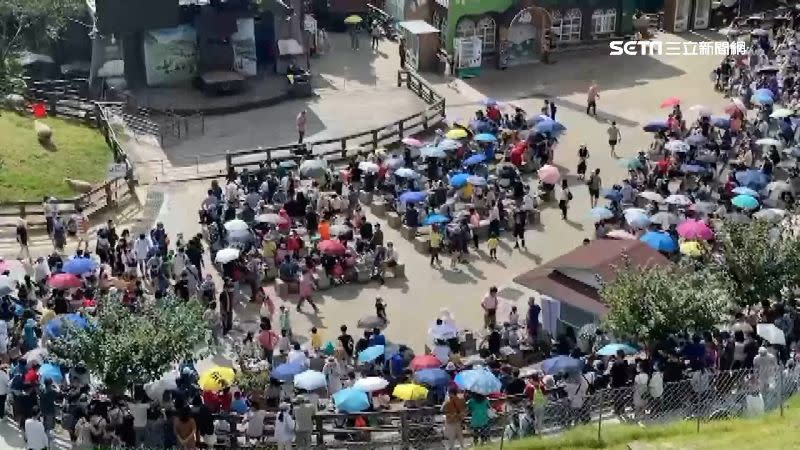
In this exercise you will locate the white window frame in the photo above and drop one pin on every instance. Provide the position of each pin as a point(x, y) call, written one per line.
point(486, 29)
point(571, 26)
point(555, 25)
point(465, 28)
point(604, 21)
point(440, 22)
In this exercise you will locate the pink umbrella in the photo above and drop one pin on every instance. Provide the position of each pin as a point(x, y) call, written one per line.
point(739, 104)
point(425, 362)
point(549, 174)
point(695, 229)
point(411, 142)
point(671, 102)
point(731, 109)
point(64, 281)
point(621, 234)
point(331, 247)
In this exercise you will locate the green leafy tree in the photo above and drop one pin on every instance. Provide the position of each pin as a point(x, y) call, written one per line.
point(29, 21)
point(650, 303)
point(759, 261)
point(124, 347)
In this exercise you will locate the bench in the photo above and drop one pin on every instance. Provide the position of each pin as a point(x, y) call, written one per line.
point(284, 288)
point(365, 197)
point(394, 219)
point(379, 208)
point(421, 244)
point(408, 232)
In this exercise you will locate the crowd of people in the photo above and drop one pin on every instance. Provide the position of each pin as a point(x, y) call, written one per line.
point(305, 226)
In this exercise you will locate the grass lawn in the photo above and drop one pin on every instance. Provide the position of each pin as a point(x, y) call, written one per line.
point(768, 432)
point(30, 171)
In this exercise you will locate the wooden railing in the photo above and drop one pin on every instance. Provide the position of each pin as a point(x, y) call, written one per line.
point(361, 143)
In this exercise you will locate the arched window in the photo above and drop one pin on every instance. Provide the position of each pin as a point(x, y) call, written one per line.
point(571, 25)
point(555, 27)
point(440, 22)
point(604, 21)
point(486, 29)
point(465, 28)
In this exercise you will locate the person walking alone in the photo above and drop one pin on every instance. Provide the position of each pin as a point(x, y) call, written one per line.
point(614, 137)
point(22, 239)
point(594, 183)
point(376, 35)
point(564, 197)
point(435, 244)
point(301, 126)
point(489, 305)
point(591, 100)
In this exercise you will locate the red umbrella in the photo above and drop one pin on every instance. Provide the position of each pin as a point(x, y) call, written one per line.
point(64, 281)
point(332, 247)
point(671, 102)
point(38, 110)
point(425, 362)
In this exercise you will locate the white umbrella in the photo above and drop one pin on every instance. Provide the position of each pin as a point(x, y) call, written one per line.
point(771, 333)
point(770, 215)
point(739, 103)
point(768, 141)
point(678, 200)
point(677, 146)
point(652, 196)
point(38, 354)
point(370, 384)
point(405, 172)
point(776, 188)
point(239, 235)
point(780, 113)
point(236, 225)
point(447, 330)
point(665, 219)
point(272, 218)
point(368, 166)
point(313, 168)
point(340, 229)
point(168, 382)
point(636, 211)
point(701, 110)
point(310, 380)
point(227, 255)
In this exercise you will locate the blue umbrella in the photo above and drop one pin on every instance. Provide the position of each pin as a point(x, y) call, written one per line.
point(745, 202)
point(612, 349)
point(600, 213)
point(351, 400)
point(51, 372)
point(435, 218)
point(287, 371)
point(752, 178)
point(692, 168)
point(476, 180)
point(79, 266)
point(432, 152)
point(412, 197)
point(459, 180)
point(721, 122)
point(432, 377)
point(695, 139)
point(370, 354)
point(488, 101)
point(475, 159)
point(485, 137)
point(762, 99)
point(765, 92)
point(655, 126)
point(637, 219)
point(741, 190)
point(449, 144)
point(545, 127)
point(559, 364)
point(612, 194)
point(660, 241)
point(479, 381)
point(54, 327)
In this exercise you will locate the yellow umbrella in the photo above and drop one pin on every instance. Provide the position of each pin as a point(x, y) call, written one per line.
point(216, 378)
point(410, 392)
point(353, 20)
point(691, 248)
point(456, 133)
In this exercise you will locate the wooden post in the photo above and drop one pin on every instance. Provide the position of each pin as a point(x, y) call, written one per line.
point(404, 429)
point(374, 139)
point(228, 160)
point(425, 119)
point(319, 428)
point(399, 78)
point(400, 130)
point(22, 212)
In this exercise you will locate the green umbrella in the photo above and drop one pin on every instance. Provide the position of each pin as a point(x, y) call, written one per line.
point(353, 20)
point(630, 163)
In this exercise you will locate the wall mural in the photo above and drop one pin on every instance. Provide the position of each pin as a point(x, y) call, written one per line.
point(170, 55)
point(244, 47)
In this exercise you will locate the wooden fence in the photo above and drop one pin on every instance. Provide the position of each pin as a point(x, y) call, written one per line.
point(66, 99)
point(361, 143)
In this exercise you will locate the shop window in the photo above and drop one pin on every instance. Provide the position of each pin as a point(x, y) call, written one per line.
point(604, 21)
point(566, 27)
point(486, 29)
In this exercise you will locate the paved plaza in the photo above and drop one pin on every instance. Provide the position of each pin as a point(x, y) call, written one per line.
point(359, 94)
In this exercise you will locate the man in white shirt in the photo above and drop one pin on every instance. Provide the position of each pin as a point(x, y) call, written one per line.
point(141, 248)
point(139, 413)
point(231, 192)
point(35, 435)
point(5, 381)
point(297, 356)
point(489, 305)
